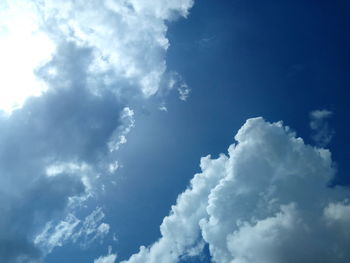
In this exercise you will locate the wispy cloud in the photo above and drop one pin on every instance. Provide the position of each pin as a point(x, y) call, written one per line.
point(119, 136)
point(184, 92)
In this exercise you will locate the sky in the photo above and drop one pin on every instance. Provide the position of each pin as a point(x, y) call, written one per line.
point(174, 131)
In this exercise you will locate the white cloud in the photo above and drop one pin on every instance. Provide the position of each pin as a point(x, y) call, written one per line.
point(338, 212)
point(83, 171)
point(110, 258)
point(162, 9)
point(322, 133)
point(125, 42)
point(56, 235)
point(71, 229)
point(119, 137)
point(267, 201)
point(92, 229)
point(127, 37)
point(180, 230)
point(163, 107)
point(68, 167)
point(337, 216)
point(107, 259)
point(113, 167)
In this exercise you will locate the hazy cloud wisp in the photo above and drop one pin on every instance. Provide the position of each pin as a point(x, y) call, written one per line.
point(322, 132)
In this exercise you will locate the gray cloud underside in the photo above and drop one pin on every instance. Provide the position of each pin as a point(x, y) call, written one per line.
point(67, 124)
point(107, 53)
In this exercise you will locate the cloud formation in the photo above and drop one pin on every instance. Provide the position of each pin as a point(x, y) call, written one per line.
point(50, 151)
point(84, 61)
point(267, 201)
point(71, 229)
point(127, 38)
point(110, 258)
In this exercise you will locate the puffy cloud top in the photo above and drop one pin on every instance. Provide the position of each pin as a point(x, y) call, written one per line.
point(128, 39)
point(267, 201)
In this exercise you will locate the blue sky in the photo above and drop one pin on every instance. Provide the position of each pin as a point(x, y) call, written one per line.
point(174, 131)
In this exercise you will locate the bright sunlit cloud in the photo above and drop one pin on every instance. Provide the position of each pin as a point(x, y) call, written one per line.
point(23, 48)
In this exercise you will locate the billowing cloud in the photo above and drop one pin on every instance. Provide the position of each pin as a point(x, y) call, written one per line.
point(267, 201)
point(322, 133)
point(180, 230)
point(127, 38)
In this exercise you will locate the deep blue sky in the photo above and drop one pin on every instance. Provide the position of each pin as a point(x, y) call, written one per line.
point(241, 59)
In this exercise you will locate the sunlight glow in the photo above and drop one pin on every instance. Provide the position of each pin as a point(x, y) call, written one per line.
point(23, 48)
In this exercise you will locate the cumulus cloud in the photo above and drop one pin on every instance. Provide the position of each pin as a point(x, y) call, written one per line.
point(267, 201)
point(322, 133)
point(128, 40)
point(180, 230)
